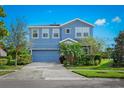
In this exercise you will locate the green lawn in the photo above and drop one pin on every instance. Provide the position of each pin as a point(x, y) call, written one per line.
point(5, 69)
point(103, 70)
point(100, 74)
point(5, 72)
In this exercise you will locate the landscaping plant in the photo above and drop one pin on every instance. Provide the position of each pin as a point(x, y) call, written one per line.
point(17, 43)
point(72, 52)
point(118, 54)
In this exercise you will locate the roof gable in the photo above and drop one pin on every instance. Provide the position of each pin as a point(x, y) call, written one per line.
point(77, 19)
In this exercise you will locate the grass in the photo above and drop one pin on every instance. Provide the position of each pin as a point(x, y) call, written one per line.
point(5, 72)
point(5, 69)
point(101, 74)
point(103, 70)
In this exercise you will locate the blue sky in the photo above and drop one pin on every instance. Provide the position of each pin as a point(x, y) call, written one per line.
point(108, 20)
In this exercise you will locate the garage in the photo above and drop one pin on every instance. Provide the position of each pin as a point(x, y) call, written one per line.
point(45, 56)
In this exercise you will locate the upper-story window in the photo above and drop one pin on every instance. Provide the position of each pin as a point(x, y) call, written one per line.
point(56, 33)
point(78, 32)
point(35, 34)
point(86, 31)
point(85, 34)
point(67, 30)
point(81, 32)
point(45, 33)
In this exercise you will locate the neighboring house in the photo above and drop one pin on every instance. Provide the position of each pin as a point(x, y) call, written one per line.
point(2, 53)
point(45, 39)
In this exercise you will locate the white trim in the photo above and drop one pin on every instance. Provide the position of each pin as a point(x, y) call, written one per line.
point(87, 34)
point(68, 39)
point(78, 31)
point(37, 33)
point(45, 30)
point(55, 30)
point(66, 29)
point(41, 26)
point(45, 49)
point(79, 20)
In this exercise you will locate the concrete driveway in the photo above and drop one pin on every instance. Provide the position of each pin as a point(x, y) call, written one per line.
point(43, 71)
point(51, 75)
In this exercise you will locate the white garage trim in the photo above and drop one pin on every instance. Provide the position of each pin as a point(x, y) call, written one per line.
point(68, 39)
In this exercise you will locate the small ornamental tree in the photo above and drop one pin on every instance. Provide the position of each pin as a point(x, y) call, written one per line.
point(96, 45)
point(17, 41)
point(72, 52)
point(118, 54)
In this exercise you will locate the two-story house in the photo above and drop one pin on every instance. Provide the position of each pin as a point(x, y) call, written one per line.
point(45, 39)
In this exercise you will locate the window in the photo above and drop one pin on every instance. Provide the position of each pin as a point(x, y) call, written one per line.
point(67, 30)
point(56, 33)
point(86, 31)
point(81, 32)
point(78, 32)
point(85, 34)
point(35, 34)
point(45, 33)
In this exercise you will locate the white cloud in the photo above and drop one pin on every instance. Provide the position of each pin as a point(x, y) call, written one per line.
point(100, 22)
point(117, 19)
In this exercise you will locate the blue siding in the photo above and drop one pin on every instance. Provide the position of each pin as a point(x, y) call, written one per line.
point(53, 55)
point(72, 25)
point(45, 43)
point(45, 56)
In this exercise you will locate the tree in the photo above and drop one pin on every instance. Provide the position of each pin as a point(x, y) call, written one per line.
point(17, 39)
point(3, 29)
point(109, 52)
point(96, 46)
point(71, 51)
point(118, 54)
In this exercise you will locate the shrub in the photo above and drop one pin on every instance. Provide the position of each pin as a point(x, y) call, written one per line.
point(97, 59)
point(118, 53)
point(11, 62)
point(71, 51)
point(3, 61)
point(66, 63)
point(90, 60)
point(24, 59)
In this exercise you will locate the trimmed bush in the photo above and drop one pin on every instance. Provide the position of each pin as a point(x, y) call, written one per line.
point(11, 62)
point(89, 60)
point(3, 61)
point(66, 63)
point(24, 59)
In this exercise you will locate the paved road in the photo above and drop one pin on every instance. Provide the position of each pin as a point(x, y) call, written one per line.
point(50, 75)
point(61, 83)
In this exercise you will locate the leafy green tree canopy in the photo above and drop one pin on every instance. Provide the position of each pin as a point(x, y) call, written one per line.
point(3, 30)
point(95, 44)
